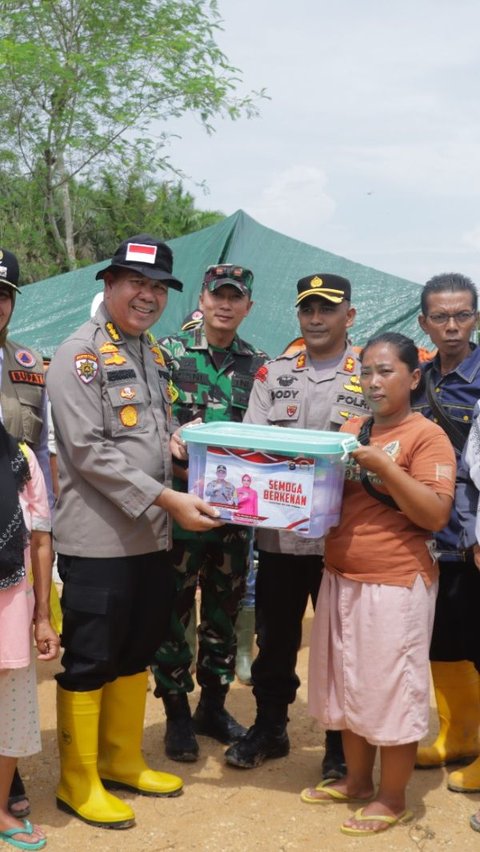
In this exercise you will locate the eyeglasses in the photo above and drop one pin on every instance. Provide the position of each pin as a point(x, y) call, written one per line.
point(461, 317)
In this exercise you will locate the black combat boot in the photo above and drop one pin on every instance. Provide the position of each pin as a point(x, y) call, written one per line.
point(212, 720)
point(333, 764)
point(267, 738)
point(180, 742)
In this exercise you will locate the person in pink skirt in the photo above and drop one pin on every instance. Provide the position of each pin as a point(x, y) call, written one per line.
point(25, 578)
point(369, 671)
point(247, 497)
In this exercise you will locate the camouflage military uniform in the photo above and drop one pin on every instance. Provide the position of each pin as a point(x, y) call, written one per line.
point(213, 384)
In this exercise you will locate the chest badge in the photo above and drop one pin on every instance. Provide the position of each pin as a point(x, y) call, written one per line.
point(25, 358)
point(129, 416)
point(108, 348)
point(291, 410)
point(86, 366)
point(115, 360)
point(128, 393)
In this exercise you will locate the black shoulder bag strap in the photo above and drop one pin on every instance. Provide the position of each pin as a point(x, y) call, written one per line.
point(364, 438)
point(454, 433)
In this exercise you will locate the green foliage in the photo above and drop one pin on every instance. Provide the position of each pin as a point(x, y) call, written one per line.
point(82, 82)
point(104, 214)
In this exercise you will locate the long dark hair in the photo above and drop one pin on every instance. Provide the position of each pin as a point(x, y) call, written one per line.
point(406, 351)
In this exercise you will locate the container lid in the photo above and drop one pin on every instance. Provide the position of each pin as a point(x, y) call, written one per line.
point(273, 438)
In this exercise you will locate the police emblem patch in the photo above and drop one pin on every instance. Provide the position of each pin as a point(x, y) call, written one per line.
point(86, 366)
point(25, 358)
point(128, 415)
point(291, 410)
point(128, 393)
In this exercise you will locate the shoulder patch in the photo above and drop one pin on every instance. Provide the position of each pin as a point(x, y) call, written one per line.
point(25, 358)
point(86, 366)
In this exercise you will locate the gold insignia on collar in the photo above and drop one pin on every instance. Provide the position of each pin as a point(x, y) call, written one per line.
point(158, 356)
point(112, 331)
point(301, 361)
point(316, 282)
point(172, 391)
point(349, 364)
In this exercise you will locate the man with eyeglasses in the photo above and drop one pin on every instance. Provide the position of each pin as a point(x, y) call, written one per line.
point(212, 371)
point(316, 387)
point(449, 316)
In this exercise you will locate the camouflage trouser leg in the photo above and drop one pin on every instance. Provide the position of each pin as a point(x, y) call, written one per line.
point(173, 658)
point(222, 582)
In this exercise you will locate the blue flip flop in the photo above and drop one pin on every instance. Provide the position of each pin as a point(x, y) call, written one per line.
point(9, 837)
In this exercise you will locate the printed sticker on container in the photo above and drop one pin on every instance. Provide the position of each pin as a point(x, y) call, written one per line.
point(259, 489)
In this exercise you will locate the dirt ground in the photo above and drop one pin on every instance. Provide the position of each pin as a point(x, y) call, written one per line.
point(227, 810)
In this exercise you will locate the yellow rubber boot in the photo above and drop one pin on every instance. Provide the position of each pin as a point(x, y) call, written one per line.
point(458, 703)
point(80, 791)
point(121, 763)
point(466, 780)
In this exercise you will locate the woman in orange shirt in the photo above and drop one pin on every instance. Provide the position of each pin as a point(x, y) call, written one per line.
point(369, 649)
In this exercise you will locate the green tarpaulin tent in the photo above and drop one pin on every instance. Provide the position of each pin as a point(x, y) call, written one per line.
point(48, 311)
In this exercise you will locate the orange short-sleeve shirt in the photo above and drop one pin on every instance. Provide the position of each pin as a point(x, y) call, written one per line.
point(375, 543)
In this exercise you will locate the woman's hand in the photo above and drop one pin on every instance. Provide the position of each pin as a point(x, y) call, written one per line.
point(372, 458)
point(46, 640)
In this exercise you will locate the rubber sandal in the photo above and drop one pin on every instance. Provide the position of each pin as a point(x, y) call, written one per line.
point(331, 794)
point(475, 821)
point(9, 835)
point(389, 822)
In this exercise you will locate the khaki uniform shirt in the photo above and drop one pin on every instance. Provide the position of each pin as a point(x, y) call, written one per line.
point(23, 402)
point(111, 410)
point(289, 392)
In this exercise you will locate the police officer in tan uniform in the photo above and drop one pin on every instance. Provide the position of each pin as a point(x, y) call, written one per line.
point(110, 398)
point(315, 388)
point(23, 400)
